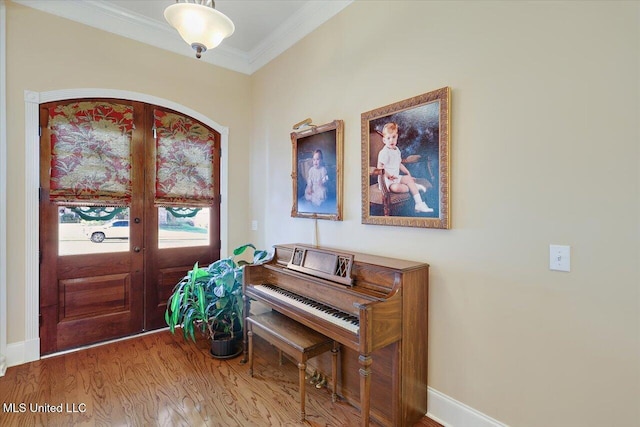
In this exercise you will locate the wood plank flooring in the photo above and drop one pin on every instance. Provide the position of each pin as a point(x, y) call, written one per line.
point(160, 380)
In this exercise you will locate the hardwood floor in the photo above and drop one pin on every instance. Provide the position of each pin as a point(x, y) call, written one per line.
point(160, 380)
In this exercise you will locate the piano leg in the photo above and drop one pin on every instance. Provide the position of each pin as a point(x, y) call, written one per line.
point(250, 335)
point(245, 329)
point(365, 388)
point(334, 370)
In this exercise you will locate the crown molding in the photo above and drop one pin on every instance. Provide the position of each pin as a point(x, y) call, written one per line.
point(294, 29)
point(125, 23)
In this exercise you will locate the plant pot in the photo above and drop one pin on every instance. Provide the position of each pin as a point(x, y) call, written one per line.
point(226, 347)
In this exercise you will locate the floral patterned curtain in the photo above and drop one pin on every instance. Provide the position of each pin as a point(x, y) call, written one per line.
point(184, 161)
point(91, 154)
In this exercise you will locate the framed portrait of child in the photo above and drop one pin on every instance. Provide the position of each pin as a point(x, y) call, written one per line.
point(317, 171)
point(405, 162)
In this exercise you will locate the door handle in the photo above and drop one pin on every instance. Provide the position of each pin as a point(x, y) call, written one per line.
point(136, 249)
point(137, 220)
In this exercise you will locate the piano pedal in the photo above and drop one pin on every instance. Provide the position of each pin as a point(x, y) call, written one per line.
point(315, 377)
point(322, 382)
point(307, 376)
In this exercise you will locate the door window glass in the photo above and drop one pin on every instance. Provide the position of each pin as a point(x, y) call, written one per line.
point(90, 230)
point(182, 227)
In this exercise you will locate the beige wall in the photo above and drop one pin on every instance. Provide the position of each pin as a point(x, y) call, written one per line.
point(46, 53)
point(545, 150)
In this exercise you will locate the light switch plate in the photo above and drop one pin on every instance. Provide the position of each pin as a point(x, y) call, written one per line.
point(560, 257)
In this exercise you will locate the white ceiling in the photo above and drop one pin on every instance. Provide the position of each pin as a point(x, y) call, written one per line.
point(264, 28)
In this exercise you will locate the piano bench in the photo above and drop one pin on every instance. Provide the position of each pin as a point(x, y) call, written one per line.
point(296, 340)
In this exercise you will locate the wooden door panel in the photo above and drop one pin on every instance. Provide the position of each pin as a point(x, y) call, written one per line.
point(97, 308)
point(78, 332)
point(94, 296)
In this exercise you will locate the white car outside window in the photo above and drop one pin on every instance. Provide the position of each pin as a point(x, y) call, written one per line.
point(118, 229)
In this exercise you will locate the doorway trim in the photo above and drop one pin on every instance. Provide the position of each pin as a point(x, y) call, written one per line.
point(3, 187)
point(33, 100)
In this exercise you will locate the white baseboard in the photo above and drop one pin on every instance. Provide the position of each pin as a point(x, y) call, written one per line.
point(451, 413)
point(23, 352)
point(3, 365)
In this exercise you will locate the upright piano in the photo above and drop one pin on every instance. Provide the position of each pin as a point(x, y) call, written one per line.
point(375, 307)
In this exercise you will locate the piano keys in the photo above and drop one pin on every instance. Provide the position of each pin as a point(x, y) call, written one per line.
point(375, 307)
point(333, 315)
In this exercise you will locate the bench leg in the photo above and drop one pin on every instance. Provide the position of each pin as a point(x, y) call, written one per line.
point(250, 336)
point(302, 367)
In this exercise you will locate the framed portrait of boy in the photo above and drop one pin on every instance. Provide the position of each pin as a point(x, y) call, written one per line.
point(405, 162)
point(317, 171)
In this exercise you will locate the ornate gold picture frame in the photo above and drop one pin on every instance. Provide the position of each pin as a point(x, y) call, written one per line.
point(317, 171)
point(405, 162)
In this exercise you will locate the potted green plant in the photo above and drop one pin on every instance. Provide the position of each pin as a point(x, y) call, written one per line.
point(210, 300)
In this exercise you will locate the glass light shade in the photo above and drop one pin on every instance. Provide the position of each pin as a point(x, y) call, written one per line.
point(200, 26)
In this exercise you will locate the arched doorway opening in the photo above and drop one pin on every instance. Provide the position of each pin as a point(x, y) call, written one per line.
point(33, 100)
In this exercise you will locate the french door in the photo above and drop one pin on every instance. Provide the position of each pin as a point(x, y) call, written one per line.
point(117, 230)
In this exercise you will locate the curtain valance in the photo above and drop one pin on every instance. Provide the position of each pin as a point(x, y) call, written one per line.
point(184, 161)
point(91, 153)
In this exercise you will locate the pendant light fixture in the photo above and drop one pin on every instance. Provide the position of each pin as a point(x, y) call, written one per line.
point(199, 23)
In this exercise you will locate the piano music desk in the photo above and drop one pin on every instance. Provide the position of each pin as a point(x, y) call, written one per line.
point(294, 339)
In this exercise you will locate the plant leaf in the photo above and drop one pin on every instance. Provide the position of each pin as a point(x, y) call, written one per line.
point(201, 299)
point(260, 256)
point(241, 249)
